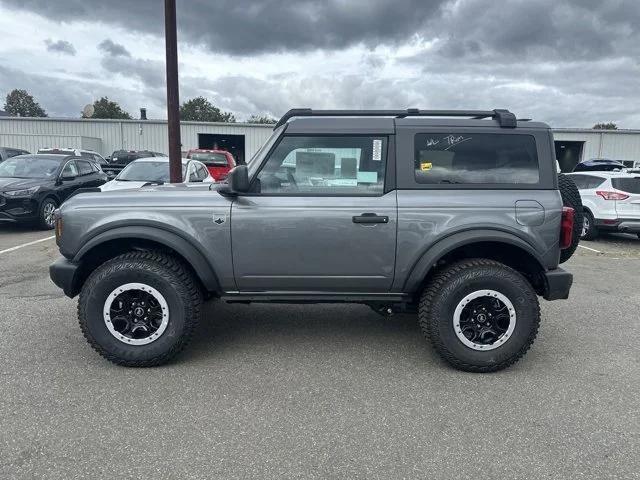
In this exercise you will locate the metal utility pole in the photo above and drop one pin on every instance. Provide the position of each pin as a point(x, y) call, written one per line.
point(173, 99)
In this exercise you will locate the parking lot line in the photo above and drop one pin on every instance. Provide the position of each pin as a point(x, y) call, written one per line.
point(26, 244)
point(581, 246)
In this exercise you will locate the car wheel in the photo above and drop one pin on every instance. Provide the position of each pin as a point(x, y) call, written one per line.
point(480, 315)
point(589, 230)
point(571, 198)
point(46, 219)
point(140, 309)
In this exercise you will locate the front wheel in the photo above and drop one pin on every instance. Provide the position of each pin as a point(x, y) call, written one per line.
point(480, 315)
point(139, 309)
point(46, 218)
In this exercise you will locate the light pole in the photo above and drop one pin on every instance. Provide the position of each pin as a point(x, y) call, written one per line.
point(173, 98)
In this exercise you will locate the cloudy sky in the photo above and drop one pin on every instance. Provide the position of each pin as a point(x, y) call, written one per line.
point(570, 63)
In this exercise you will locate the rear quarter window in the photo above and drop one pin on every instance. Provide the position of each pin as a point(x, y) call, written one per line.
point(467, 158)
point(629, 185)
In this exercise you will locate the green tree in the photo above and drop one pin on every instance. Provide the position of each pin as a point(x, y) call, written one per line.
point(105, 108)
point(605, 126)
point(200, 109)
point(20, 104)
point(266, 119)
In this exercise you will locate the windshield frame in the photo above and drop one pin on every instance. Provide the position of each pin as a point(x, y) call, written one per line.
point(256, 160)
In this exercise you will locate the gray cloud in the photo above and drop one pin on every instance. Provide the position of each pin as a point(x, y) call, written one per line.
point(570, 62)
point(245, 27)
point(113, 49)
point(61, 46)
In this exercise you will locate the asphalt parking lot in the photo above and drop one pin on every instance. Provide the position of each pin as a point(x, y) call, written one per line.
point(332, 391)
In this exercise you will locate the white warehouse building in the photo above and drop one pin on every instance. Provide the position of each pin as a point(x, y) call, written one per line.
point(106, 136)
point(244, 139)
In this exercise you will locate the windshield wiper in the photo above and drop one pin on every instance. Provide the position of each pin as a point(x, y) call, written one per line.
point(448, 181)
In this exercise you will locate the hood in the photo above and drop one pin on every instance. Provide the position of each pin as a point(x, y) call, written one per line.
point(154, 196)
point(7, 183)
point(119, 185)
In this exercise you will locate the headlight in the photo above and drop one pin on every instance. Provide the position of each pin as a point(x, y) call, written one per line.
point(22, 193)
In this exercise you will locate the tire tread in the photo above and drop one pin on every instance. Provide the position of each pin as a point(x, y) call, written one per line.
point(159, 263)
point(428, 324)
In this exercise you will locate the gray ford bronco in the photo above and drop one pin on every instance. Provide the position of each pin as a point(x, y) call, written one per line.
point(456, 216)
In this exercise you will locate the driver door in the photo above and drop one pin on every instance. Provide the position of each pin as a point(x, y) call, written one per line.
point(318, 218)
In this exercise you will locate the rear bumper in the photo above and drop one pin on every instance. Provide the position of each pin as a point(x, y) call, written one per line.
point(64, 274)
point(619, 225)
point(557, 284)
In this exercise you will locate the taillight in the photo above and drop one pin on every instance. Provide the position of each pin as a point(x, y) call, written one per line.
point(566, 227)
point(612, 195)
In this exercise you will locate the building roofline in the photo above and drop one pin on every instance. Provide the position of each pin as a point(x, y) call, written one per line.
point(156, 121)
point(592, 130)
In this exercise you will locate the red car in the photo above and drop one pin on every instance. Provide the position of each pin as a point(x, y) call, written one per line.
point(218, 162)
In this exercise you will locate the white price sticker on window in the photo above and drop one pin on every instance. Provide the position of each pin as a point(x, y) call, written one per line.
point(377, 150)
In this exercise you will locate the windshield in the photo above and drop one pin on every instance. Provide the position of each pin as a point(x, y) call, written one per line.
point(146, 172)
point(29, 167)
point(254, 162)
point(210, 158)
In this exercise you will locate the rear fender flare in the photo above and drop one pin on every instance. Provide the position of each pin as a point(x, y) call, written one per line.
point(460, 239)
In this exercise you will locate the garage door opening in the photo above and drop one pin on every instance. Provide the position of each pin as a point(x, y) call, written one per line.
point(230, 143)
point(568, 154)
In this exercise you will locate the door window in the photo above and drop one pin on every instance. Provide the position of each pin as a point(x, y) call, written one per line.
point(201, 171)
point(84, 167)
point(70, 169)
point(325, 166)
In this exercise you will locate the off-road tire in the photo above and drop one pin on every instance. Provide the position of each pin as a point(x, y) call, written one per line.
point(592, 231)
point(43, 212)
point(571, 198)
point(450, 285)
point(159, 270)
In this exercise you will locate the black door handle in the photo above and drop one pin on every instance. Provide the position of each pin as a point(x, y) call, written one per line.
point(370, 218)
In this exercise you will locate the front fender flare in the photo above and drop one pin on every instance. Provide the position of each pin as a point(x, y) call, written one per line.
point(196, 259)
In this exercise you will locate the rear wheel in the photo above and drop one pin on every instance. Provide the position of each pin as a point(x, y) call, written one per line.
point(589, 230)
point(571, 198)
point(480, 315)
point(139, 309)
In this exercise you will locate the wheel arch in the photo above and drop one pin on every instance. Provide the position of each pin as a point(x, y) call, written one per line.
point(503, 247)
point(114, 242)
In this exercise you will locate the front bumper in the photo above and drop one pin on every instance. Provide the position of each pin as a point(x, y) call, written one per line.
point(18, 209)
point(557, 284)
point(64, 274)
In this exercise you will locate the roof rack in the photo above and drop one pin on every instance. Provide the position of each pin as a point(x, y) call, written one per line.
point(505, 118)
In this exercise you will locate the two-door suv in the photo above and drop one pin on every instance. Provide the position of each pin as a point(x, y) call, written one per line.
point(459, 220)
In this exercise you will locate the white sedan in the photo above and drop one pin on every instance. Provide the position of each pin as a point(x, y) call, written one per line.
point(155, 171)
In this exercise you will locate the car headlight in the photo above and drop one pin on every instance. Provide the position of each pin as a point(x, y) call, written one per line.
point(27, 192)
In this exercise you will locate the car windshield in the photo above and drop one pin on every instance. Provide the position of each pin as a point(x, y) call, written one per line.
point(210, 158)
point(146, 172)
point(29, 167)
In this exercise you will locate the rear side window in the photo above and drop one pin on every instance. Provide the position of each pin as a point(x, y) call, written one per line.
point(629, 185)
point(484, 158)
point(584, 182)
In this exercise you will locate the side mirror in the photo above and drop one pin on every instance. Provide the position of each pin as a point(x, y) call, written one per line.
point(238, 180)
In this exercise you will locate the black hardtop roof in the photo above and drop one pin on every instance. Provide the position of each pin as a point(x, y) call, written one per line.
point(385, 121)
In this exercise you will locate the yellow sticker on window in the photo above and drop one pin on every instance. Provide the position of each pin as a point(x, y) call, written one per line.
point(426, 166)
